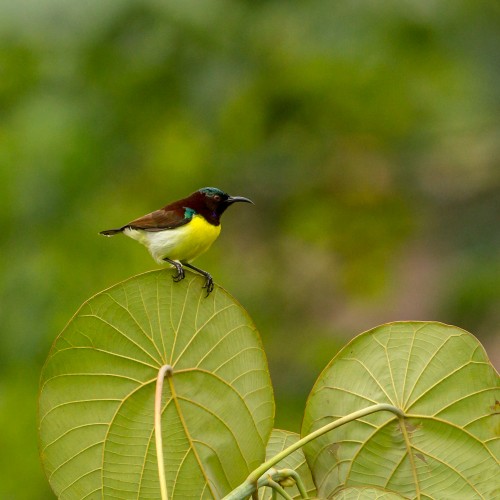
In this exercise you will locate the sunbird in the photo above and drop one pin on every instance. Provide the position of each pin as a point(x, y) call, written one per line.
point(183, 230)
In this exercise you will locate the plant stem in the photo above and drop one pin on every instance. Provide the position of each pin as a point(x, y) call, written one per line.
point(164, 370)
point(246, 488)
point(279, 489)
point(298, 481)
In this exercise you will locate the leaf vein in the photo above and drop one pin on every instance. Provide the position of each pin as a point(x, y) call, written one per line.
point(123, 334)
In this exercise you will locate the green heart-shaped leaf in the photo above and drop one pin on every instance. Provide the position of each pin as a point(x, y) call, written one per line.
point(440, 377)
point(98, 386)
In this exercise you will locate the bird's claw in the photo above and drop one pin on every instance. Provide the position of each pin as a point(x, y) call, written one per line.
point(209, 285)
point(180, 274)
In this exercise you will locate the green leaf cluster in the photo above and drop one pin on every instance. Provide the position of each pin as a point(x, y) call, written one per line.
point(97, 399)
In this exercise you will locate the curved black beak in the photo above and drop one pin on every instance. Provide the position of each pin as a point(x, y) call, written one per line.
point(234, 199)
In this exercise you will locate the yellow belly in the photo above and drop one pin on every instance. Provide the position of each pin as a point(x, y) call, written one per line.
point(184, 243)
point(197, 238)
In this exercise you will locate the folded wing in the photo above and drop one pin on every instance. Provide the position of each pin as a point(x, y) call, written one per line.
point(162, 219)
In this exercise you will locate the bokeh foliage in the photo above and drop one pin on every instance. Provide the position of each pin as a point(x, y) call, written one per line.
point(366, 132)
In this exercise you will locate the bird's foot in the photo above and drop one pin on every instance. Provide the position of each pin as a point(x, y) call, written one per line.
point(180, 274)
point(180, 271)
point(209, 284)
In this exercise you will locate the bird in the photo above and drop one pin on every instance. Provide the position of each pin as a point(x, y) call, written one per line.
point(182, 230)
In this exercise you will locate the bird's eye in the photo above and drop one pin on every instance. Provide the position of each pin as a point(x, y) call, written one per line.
point(217, 197)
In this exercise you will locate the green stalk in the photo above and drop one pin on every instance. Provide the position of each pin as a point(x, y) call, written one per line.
point(298, 481)
point(279, 489)
point(164, 370)
point(246, 488)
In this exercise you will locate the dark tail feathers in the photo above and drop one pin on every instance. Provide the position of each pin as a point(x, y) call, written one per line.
point(111, 232)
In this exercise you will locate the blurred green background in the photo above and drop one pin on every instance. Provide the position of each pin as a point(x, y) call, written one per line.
point(367, 133)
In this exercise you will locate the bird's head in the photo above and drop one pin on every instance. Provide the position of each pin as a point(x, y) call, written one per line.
point(216, 201)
